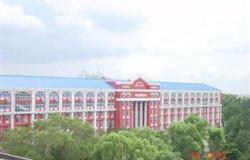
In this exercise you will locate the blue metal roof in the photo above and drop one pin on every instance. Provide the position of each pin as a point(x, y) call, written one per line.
point(11, 81)
point(186, 86)
point(15, 81)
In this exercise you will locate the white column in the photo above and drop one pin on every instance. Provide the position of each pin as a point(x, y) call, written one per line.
point(105, 112)
point(132, 115)
point(33, 105)
point(209, 106)
point(145, 114)
point(220, 108)
point(176, 108)
point(136, 114)
point(182, 114)
point(95, 104)
point(83, 117)
point(189, 103)
point(201, 99)
point(200, 106)
point(72, 104)
point(161, 110)
point(183, 97)
point(46, 104)
point(169, 104)
point(183, 105)
point(213, 109)
point(84, 105)
point(141, 114)
point(189, 100)
point(13, 104)
point(195, 102)
point(60, 101)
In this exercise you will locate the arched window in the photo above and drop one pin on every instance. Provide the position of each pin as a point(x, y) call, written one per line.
point(100, 100)
point(173, 98)
point(78, 100)
point(192, 100)
point(5, 101)
point(66, 100)
point(111, 97)
point(101, 96)
point(90, 96)
point(53, 101)
point(90, 100)
point(186, 99)
point(40, 96)
point(179, 98)
point(23, 96)
point(216, 98)
point(40, 101)
point(204, 99)
point(23, 102)
point(166, 98)
point(211, 98)
point(198, 98)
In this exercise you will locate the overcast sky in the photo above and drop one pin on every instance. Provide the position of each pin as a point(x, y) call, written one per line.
point(182, 40)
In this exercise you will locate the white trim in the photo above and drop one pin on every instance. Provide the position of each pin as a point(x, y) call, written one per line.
point(192, 91)
point(137, 90)
point(137, 99)
point(58, 89)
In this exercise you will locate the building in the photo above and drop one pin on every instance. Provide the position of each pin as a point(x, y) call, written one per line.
point(105, 103)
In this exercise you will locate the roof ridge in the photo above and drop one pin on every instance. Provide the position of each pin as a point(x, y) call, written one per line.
point(36, 76)
point(180, 82)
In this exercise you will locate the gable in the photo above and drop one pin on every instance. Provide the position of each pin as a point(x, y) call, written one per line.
point(140, 84)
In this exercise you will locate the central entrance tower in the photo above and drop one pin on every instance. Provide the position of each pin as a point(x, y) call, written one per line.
point(137, 104)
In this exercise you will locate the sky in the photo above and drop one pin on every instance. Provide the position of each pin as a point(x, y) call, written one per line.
point(204, 41)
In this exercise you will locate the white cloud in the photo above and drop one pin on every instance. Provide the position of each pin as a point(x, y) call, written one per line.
point(200, 41)
point(14, 16)
point(188, 27)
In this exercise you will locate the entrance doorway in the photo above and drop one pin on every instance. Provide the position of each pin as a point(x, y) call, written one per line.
point(139, 114)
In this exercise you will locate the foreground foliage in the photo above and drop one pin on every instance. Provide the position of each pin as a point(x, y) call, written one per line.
point(57, 138)
point(236, 116)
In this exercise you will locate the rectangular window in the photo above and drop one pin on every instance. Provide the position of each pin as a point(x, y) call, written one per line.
point(18, 118)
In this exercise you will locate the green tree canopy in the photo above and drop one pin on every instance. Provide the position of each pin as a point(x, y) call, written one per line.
point(56, 138)
point(123, 145)
point(216, 139)
point(185, 138)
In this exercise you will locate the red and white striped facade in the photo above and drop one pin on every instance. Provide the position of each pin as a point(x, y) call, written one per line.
point(130, 104)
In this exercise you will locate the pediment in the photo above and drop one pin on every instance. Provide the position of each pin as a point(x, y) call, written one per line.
point(140, 84)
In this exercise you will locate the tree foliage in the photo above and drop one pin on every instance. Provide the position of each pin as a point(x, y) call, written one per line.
point(185, 138)
point(216, 139)
point(236, 113)
point(57, 138)
point(137, 144)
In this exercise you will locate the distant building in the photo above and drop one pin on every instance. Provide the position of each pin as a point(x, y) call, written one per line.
point(105, 103)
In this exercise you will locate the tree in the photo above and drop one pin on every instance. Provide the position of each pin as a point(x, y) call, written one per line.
point(231, 152)
point(216, 139)
point(19, 142)
point(185, 138)
point(200, 124)
point(167, 155)
point(161, 142)
point(123, 145)
point(236, 122)
point(56, 138)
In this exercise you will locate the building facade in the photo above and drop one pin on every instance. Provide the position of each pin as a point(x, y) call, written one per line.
point(104, 103)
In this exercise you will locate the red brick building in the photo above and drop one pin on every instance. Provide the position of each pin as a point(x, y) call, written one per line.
point(105, 103)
